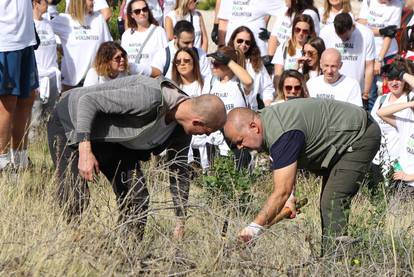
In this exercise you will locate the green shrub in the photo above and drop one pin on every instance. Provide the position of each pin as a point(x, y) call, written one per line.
point(226, 183)
point(206, 5)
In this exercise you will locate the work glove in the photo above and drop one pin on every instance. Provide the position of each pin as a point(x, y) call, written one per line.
point(214, 34)
point(267, 62)
point(220, 57)
point(264, 34)
point(389, 31)
point(250, 232)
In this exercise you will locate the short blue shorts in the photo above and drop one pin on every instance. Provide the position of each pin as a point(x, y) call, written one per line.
point(18, 72)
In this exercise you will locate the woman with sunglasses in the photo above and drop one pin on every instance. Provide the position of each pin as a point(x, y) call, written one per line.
point(232, 83)
point(243, 39)
point(111, 62)
point(282, 27)
point(331, 8)
point(292, 85)
point(287, 54)
point(186, 73)
point(81, 32)
point(400, 92)
point(309, 63)
point(144, 37)
point(186, 10)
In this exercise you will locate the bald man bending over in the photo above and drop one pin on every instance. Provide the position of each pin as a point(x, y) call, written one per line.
point(334, 139)
point(332, 84)
point(113, 127)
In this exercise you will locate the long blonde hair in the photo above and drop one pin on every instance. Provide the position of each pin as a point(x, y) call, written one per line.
point(181, 7)
point(77, 10)
point(346, 8)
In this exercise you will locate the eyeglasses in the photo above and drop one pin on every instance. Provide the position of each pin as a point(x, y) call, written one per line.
point(182, 61)
point(309, 54)
point(118, 58)
point(138, 11)
point(300, 30)
point(240, 41)
point(295, 88)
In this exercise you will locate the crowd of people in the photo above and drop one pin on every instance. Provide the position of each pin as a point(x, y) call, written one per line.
point(66, 66)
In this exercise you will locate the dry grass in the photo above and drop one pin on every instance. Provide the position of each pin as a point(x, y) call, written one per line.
point(36, 241)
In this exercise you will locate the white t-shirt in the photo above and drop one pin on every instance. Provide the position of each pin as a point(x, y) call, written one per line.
point(381, 15)
point(196, 21)
point(249, 13)
point(345, 89)
point(161, 58)
point(92, 78)
point(46, 54)
point(97, 5)
point(389, 148)
point(16, 25)
point(405, 127)
point(194, 89)
point(331, 17)
point(80, 44)
point(282, 57)
point(229, 92)
point(132, 43)
point(282, 28)
point(262, 85)
point(355, 52)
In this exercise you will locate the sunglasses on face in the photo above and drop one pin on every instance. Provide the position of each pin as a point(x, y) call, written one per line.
point(309, 54)
point(300, 30)
point(118, 58)
point(240, 41)
point(182, 61)
point(138, 11)
point(294, 88)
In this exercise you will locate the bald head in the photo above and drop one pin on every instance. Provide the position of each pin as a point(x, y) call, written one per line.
point(331, 54)
point(243, 128)
point(331, 64)
point(210, 109)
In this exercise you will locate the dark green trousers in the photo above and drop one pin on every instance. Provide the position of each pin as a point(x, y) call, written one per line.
point(342, 183)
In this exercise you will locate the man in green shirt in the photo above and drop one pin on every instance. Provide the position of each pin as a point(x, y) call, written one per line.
point(334, 139)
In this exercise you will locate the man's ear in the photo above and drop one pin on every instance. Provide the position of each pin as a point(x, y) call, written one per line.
point(197, 122)
point(254, 127)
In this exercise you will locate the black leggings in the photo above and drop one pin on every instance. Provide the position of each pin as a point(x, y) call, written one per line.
point(121, 166)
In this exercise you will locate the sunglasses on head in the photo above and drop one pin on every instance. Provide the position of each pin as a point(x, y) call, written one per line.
point(240, 41)
point(295, 88)
point(182, 61)
point(138, 11)
point(300, 30)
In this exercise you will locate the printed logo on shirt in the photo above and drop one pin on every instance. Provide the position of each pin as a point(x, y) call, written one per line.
point(325, 96)
point(82, 33)
point(343, 49)
point(239, 8)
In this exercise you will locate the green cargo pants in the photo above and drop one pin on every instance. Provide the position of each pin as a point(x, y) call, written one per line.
point(343, 182)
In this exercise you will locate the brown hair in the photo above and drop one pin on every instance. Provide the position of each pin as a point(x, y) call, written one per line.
point(131, 21)
point(234, 54)
point(300, 18)
point(253, 53)
point(291, 74)
point(319, 45)
point(346, 8)
point(106, 52)
point(176, 77)
point(404, 65)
